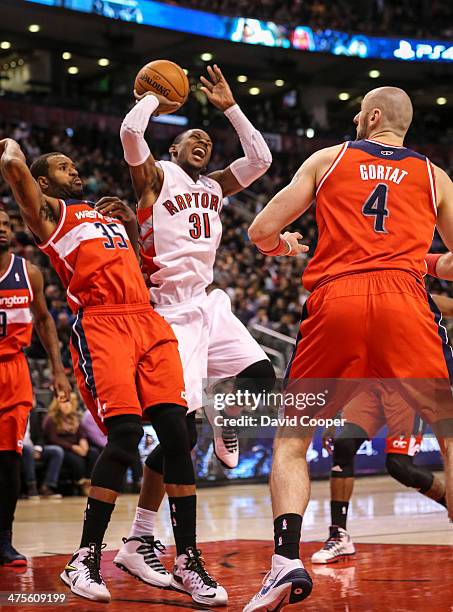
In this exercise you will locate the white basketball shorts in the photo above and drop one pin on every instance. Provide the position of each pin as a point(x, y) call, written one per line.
point(213, 343)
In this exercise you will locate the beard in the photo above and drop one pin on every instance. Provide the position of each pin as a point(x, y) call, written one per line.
point(4, 246)
point(64, 192)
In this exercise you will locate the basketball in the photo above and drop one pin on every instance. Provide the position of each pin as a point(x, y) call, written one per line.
point(164, 78)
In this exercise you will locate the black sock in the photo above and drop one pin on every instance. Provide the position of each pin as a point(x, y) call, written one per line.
point(287, 528)
point(97, 518)
point(442, 501)
point(339, 513)
point(183, 512)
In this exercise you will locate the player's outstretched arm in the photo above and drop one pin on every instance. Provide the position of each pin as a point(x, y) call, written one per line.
point(289, 204)
point(258, 158)
point(47, 332)
point(147, 178)
point(39, 213)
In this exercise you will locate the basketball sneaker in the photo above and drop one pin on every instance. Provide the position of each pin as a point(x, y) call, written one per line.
point(337, 546)
point(8, 554)
point(190, 576)
point(82, 574)
point(226, 442)
point(137, 557)
point(287, 583)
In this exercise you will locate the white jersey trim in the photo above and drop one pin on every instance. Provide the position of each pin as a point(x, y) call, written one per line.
point(431, 184)
point(332, 167)
point(27, 277)
point(58, 228)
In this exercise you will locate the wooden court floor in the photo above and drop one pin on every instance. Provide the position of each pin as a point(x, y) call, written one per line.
point(404, 559)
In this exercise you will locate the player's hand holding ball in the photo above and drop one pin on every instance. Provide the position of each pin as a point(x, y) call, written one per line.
point(217, 89)
point(166, 81)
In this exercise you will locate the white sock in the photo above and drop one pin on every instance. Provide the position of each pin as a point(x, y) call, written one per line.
point(143, 523)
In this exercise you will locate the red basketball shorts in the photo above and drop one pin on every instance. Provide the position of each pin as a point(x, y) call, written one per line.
point(16, 399)
point(372, 409)
point(125, 359)
point(364, 328)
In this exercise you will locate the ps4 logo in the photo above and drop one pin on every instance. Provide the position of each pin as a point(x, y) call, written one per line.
point(408, 50)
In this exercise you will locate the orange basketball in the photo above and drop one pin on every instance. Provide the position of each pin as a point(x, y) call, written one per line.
point(165, 78)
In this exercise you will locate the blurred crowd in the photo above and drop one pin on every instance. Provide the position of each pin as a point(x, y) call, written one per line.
point(411, 17)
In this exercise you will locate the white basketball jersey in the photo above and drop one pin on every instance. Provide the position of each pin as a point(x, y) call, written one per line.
point(180, 235)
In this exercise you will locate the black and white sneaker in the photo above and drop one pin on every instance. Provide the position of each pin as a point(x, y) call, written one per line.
point(137, 556)
point(337, 546)
point(226, 441)
point(83, 574)
point(287, 583)
point(191, 577)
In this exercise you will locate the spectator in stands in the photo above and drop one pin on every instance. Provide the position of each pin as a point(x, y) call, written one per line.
point(51, 456)
point(62, 427)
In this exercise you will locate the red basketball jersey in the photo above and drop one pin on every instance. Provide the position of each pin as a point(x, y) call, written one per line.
point(16, 296)
point(94, 259)
point(375, 210)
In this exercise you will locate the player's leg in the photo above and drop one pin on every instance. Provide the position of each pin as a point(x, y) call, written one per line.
point(403, 469)
point(329, 346)
point(10, 487)
point(108, 388)
point(16, 402)
point(161, 387)
point(232, 352)
point(287, 581)
point(339, 542)
point(189, 573)
point(139, 553)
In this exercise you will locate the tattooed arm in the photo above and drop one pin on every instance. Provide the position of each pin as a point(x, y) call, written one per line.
point(40, 213)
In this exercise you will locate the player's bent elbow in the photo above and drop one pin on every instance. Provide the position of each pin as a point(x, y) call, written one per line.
point(256, 233)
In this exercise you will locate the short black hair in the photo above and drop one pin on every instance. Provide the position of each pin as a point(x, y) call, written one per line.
point(40, 167)
point(179, 137)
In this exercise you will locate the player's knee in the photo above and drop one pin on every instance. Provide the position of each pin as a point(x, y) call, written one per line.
point(170, 422)
point(257, 378)
point(346, 446)
point(123, 436)
point(403, 469)
point(155, 460)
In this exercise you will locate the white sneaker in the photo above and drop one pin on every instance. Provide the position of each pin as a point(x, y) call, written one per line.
point(337, 546)
point(138, 558)
point(288, 582)
point(190, 576)
point(82, 574)
point(226, 442)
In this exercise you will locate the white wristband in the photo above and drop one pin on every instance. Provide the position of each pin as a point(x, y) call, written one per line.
point(133, 128)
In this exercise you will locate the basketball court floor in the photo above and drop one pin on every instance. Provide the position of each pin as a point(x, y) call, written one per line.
point(404, 559)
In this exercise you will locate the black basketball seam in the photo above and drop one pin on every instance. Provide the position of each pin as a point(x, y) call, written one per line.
point(170, 83)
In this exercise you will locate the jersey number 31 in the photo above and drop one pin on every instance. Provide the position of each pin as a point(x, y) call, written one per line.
point(376, 206)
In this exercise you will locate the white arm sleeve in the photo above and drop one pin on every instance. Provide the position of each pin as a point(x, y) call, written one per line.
point(133, 128)
point(257, 158)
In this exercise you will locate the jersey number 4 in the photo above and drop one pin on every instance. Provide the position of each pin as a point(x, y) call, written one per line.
point(197, 230)
point(3, 322)
point(376, 206)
